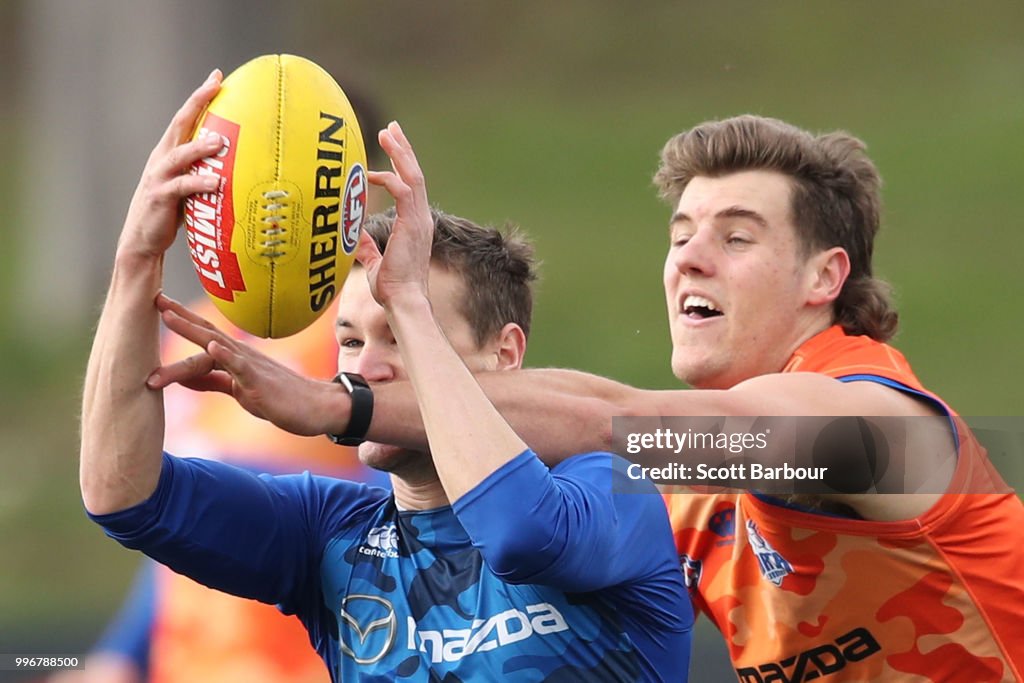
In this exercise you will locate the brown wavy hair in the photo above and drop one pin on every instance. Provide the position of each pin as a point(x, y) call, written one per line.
point(835, 200)
point(497, 268)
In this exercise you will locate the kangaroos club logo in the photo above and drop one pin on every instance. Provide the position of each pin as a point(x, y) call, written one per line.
point(692, 571)
point(772, 564)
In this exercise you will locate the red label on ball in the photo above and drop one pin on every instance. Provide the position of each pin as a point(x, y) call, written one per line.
point(210, 217)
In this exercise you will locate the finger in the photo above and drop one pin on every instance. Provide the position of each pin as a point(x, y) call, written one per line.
point(387, 142)
point(367, 252)
point(166, 303)
point(218, 381)
point(397, 140)
point(379, 177)
point(185, 118)
point(396, 129)
point(395, 186)
point(229, 359)
point(182, 186)
point(200, 333)
point(181, 371)
point(180, 158)
point(394, 142)
point(173, 191)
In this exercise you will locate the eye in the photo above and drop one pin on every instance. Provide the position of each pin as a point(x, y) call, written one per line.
point(680, 240)
point(738, 239)
point(351, 343)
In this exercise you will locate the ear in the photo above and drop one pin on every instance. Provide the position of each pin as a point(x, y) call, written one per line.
point(828, 271)
point(510, 347)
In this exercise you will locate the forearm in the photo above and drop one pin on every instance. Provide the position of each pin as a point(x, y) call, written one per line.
point(122, 420)
point(466, 434)
point(557, 412)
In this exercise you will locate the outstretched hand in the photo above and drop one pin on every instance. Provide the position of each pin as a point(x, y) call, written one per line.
point(261, 385)
point(404, 267)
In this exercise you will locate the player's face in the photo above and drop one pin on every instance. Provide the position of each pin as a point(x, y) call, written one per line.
point(367, 346)
point(736, 283)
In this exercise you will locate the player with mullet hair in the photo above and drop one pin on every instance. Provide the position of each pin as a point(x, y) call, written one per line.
point(774, 311)
point(570, 581)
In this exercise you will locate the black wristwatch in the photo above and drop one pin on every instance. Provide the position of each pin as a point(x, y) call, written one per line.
point(362, 409)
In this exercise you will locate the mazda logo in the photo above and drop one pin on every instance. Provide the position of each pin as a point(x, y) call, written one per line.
point(364, 615)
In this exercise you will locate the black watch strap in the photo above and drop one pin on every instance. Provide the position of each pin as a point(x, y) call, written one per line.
point(362, 409)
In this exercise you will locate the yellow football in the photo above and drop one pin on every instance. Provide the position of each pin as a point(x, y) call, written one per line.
point(274, 244)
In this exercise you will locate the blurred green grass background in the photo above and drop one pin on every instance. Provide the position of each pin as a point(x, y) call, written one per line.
point(551, 115)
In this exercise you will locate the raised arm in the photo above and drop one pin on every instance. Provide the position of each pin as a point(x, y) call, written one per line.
point(466, 434)
point(122, 419)
point(557, 412)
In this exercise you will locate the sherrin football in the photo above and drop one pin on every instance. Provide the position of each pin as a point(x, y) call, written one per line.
point(274, 244)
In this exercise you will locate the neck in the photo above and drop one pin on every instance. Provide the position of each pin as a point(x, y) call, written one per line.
point(418, 490)
point(815, 326)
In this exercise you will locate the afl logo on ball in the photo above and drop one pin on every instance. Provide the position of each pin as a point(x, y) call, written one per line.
point(353, 208)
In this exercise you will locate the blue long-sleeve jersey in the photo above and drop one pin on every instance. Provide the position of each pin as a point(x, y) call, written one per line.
point(535, 574)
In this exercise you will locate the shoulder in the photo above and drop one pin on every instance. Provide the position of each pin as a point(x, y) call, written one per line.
point(322, 487)
point(600, 466)
point(326, 498)
point(812, 393)
point(611, 475)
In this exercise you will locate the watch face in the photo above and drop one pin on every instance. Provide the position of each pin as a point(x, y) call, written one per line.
point(351, 380)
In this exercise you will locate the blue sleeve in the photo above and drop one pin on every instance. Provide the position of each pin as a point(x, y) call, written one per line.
point(257, 536)
point(130, 631)
point(571, 527)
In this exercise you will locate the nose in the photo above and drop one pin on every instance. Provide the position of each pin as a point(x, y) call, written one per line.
point(695, 257)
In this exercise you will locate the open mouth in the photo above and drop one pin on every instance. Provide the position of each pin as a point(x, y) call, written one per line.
point(699, 308)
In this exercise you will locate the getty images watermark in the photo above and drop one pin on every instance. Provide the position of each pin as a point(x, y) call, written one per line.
point(823, 455)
